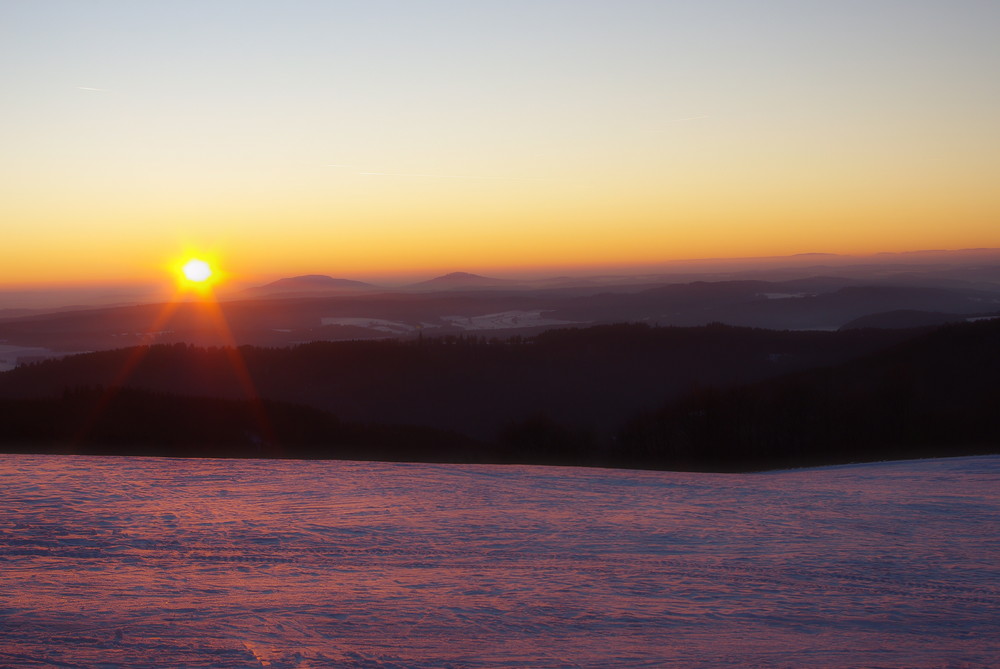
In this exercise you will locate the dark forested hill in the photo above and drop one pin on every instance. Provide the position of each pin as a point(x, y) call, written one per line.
point(714, 397)
point(937, 394)
point(125, 421)
point(591, 378)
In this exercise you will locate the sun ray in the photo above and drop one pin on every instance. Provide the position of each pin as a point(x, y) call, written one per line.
point(195, 276)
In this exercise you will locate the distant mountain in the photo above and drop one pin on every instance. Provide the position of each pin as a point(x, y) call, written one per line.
point(309, 283)
point(460, 281)
point(16, 313)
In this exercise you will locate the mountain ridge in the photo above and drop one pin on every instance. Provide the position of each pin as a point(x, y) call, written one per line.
point(460, 280)
point(306, 283)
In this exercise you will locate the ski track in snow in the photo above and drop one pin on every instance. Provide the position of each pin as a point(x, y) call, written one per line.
point(144, 562)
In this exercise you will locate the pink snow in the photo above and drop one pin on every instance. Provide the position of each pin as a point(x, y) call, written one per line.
point(143, 562)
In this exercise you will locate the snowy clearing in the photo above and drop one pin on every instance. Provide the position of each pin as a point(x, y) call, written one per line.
point(506, 320)
point(379, 324)
point(142, 562)
point(11, 356)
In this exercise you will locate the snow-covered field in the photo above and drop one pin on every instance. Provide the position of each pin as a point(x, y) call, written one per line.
point(134, 562)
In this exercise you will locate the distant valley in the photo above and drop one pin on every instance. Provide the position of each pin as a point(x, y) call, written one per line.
point(322, 308)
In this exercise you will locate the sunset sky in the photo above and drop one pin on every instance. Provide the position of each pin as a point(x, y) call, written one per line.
point(371, 138)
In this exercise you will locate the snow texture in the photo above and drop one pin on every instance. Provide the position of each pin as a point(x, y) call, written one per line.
point(143, 562)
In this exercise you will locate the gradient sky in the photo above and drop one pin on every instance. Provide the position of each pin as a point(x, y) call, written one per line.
point(372, 138)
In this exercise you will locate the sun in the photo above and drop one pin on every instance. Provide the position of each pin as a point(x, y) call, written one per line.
point(197, 271)
point(196, 274)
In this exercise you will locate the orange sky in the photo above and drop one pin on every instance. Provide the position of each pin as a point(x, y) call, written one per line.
point(371, 139)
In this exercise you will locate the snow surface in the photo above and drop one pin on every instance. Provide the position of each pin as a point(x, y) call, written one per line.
point(143, 562)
